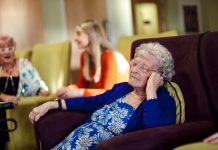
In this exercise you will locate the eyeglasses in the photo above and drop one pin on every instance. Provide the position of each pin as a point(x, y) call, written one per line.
point(142, 68)
point(11, 48)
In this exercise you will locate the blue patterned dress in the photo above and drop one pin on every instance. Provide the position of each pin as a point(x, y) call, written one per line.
point(105, 123)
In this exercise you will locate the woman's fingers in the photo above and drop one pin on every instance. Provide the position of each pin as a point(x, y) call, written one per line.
point(61, 92)
point(34, 115)
point(37, 117)
point(43, 92)
point(212, 139)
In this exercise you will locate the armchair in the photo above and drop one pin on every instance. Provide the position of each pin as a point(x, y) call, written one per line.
point(197, 80)
point(52, 61)
point(124, 42)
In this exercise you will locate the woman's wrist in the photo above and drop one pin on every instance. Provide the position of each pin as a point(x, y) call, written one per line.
point(151, 98)
point(60, 104)
point(52, 105)
point(81, 91)
point(151, 95)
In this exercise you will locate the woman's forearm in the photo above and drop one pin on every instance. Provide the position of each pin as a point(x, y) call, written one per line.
point(41, 110)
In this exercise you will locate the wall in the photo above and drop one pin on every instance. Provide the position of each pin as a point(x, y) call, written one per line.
point(54, 20)
point(120, 19)
point(78, 11)
point(210, 17)
point(171, 10)
point(23, 21)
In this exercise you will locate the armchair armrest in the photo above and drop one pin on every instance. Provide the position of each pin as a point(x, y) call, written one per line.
point(166, 137)
point(24, 133)
point(52, 128)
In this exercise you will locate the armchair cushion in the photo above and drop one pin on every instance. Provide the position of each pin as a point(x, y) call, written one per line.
point(124, 43)
point(198, 146)
point(176, 93)
point(66, 122)
point(24, 133)
point(140, 140)
point(163, 138)
point(23, 54)
point(53, 63)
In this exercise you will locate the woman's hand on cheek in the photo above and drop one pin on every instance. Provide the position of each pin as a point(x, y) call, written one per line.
point(154, 82)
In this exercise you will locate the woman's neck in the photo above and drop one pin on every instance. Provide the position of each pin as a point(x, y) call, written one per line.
point(89, 49)
point(139, 96)
point(7, 67)
point(140, 92)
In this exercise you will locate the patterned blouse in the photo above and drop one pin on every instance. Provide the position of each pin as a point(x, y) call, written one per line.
point(30, 82)
point(106, 123)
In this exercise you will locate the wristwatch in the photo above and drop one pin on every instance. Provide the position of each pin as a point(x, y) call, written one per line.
point(59, 103)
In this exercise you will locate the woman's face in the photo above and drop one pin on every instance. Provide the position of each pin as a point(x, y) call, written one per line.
point(141, 69)
point(6, 53)
point(82, 40)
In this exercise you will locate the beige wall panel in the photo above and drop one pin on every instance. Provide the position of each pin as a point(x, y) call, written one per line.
point(22, 19)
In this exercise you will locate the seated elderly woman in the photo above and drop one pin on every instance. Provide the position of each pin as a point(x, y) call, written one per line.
point(141, 103)
point(18, 78)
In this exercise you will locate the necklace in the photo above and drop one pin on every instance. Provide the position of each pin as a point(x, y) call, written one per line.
point(134, 100)
point(9, 77)
point(138, 95)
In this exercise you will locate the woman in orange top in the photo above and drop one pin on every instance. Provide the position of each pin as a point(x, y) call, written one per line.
point(99, 67)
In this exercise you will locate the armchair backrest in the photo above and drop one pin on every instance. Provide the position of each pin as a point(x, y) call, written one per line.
point(23, 54)
point(209, 63)
point(185, 53)
point(124, 42)
point(53, 63)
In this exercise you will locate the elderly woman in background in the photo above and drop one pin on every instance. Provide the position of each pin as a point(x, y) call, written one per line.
point(99, 64)
point(17, 78)
point(141, 103)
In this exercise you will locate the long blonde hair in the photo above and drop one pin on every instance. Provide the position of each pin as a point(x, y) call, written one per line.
point(98, 42)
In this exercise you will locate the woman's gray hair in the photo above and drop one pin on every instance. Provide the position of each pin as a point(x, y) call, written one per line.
point(162, 54)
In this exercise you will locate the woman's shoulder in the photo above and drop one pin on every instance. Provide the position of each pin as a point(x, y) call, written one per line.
point(107, 53)
point(162, 91)
point(24, 64)
point(23, 61)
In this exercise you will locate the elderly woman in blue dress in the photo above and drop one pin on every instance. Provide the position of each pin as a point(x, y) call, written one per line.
point(141, 103)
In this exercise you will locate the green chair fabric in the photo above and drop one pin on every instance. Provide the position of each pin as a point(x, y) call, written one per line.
point(23, 54)
point(53, 64)
point(198, 146)
point(52, 61)
point(23, 137)
point(124, 43)
point(176, 93)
